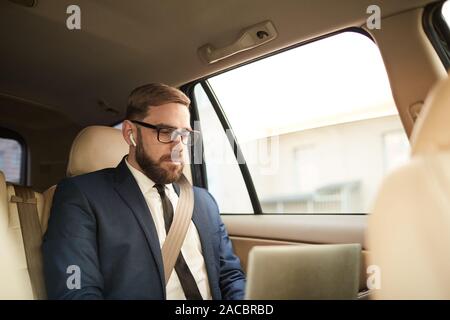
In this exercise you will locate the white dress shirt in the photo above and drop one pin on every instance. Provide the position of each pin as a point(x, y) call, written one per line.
point(191, 248)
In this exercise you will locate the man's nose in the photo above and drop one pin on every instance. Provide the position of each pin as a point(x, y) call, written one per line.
point(177, 145)
point(176, 140)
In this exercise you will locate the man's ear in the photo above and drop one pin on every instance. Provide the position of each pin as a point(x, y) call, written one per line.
point(127, 133)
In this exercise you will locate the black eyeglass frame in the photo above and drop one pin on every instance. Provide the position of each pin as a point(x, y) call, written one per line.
point(159, 128)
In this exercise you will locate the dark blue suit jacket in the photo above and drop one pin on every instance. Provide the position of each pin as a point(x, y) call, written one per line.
point(101, 223)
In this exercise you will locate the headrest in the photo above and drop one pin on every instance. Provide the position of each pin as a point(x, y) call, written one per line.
point(431, 134)
point(96, 148)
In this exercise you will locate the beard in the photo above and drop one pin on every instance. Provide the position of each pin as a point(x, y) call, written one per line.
point(153, 169)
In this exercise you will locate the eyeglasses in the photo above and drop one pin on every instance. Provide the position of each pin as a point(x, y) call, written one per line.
point(169, 134)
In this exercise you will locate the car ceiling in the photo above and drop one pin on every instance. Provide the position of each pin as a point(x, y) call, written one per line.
point(87, 74)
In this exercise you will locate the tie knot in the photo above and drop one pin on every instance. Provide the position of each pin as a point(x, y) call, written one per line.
point(160, 188)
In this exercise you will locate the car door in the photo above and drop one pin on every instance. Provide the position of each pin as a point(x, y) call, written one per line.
point(294, 145)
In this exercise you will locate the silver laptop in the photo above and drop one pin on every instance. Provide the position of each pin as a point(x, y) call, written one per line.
point(304, 272)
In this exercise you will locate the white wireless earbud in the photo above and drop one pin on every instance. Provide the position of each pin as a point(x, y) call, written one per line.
point(132, 139)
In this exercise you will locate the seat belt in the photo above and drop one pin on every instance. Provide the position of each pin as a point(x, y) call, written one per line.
point(32, 237)
point(177, 233)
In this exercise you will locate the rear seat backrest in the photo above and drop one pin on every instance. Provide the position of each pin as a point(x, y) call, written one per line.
point(408, 232)
point(25, 209)
point(12, 285)
point(93, 149)
point(96, 148)
point(48, 199)
point(15, 281)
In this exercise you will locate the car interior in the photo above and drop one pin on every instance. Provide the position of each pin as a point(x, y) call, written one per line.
point(323, 123)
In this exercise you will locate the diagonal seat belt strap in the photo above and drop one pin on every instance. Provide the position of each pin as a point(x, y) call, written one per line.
point(177, 233)
point(32, 237)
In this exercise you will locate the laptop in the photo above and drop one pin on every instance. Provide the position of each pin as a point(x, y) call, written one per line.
point(309, 272)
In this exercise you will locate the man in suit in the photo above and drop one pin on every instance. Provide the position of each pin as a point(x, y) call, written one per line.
point(107, 227)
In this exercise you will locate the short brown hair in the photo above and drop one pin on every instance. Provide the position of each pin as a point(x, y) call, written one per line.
point(153, 94)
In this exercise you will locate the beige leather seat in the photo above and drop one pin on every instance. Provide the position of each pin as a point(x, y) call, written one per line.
point(409, 229)
point(96, 148)
point(15, 281)
point(93, 149)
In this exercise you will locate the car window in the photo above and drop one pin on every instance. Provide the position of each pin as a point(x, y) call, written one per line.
point(436, 25)
point(224, 178)
point(446, 12)
point(317, 125)
point(11, 157)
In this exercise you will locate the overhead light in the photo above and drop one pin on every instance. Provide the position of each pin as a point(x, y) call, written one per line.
point(25, 3)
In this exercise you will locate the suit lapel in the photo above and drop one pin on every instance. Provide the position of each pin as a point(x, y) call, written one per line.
point(128, 189)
